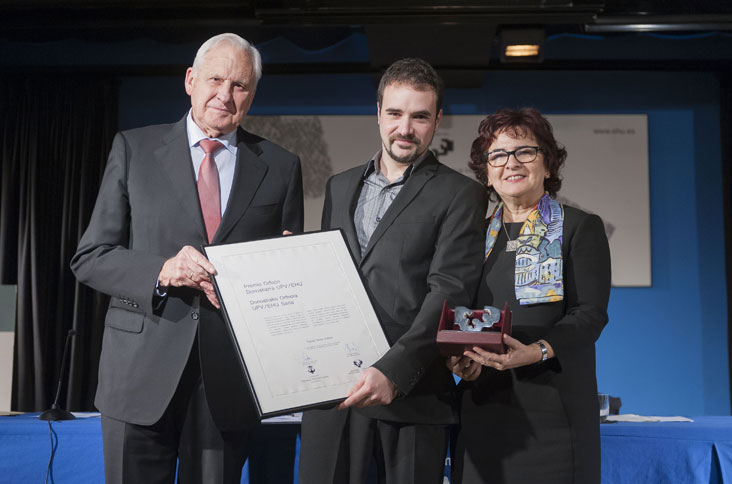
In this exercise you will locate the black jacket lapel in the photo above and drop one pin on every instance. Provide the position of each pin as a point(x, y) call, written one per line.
point(412, 187)
point(248, 175)
point(175, 157)
point(353, 189)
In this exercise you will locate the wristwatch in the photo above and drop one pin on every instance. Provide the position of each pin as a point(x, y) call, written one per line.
point(544, 354)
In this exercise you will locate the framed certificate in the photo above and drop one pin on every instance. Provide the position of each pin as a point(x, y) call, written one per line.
point(300, 316)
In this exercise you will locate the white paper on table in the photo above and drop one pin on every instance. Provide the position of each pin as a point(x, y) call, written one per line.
point(630, 417)
point(289, 418)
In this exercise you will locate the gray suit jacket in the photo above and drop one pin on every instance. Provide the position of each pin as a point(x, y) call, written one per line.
point(426, 249)
point(147, 209)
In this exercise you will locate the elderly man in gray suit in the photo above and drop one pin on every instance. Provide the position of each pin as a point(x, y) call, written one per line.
point(415, 228)
point(170, 385)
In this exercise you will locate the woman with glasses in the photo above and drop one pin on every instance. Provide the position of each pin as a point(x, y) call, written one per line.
point(531, 415)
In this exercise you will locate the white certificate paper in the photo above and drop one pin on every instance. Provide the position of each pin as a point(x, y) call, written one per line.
point(300, 316)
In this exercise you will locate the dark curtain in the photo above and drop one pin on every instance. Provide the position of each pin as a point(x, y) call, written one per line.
point(726, 136)
point(55, 133)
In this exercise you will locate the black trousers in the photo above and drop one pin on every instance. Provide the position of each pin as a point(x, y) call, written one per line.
point(346, 447)
point(185, 435)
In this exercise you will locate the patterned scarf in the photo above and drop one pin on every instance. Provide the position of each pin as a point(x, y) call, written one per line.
point(538, 273)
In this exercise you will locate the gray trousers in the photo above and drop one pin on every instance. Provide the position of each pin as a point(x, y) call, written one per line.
point(185, 435)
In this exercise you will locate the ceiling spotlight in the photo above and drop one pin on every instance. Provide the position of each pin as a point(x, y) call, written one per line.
point(522, 45)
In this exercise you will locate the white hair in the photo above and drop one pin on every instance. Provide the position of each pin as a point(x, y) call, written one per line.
point(236, 41)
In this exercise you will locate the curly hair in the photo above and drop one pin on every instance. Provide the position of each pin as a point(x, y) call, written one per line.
point(518, 123)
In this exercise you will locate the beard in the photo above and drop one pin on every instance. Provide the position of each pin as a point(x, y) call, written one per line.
point(408, 158)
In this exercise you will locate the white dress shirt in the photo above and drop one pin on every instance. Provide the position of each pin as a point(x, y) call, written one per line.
point(225, 158)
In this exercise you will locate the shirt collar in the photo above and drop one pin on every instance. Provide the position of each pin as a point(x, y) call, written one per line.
point(374, 164)
point(195, 135)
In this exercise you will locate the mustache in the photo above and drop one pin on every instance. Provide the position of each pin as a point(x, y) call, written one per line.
point(411, 138)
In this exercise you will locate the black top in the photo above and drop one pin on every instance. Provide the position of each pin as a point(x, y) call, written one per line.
point(540, 423)
point(424, 251)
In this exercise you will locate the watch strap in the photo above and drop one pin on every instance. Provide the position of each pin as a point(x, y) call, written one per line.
point(544, 352)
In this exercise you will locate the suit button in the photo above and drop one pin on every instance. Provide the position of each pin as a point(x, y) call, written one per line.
point(194, 316)
point(134, 305)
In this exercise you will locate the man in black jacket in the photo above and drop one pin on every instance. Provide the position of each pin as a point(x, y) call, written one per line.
point(415, 228)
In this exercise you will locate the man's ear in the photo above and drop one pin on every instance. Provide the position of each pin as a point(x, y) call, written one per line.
point(437, 119)
point(189, 81)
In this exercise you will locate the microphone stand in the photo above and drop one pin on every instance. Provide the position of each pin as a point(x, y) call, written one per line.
point(56, 412)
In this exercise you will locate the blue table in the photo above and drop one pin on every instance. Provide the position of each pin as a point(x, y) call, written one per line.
point(668, 452)
point(25, 448)
point(655, 453)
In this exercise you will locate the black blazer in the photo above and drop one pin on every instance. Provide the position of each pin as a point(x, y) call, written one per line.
point(147, 209)
point(426, 249)
point(503, 413)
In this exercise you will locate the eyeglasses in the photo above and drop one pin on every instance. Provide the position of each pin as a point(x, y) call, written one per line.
point(523, 154)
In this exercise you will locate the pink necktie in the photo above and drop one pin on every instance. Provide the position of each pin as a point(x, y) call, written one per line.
point(208, 187)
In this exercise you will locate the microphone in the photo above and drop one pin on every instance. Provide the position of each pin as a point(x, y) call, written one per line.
point(56, 412)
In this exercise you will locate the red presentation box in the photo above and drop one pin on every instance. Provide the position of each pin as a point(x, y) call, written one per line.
point(453, 342)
